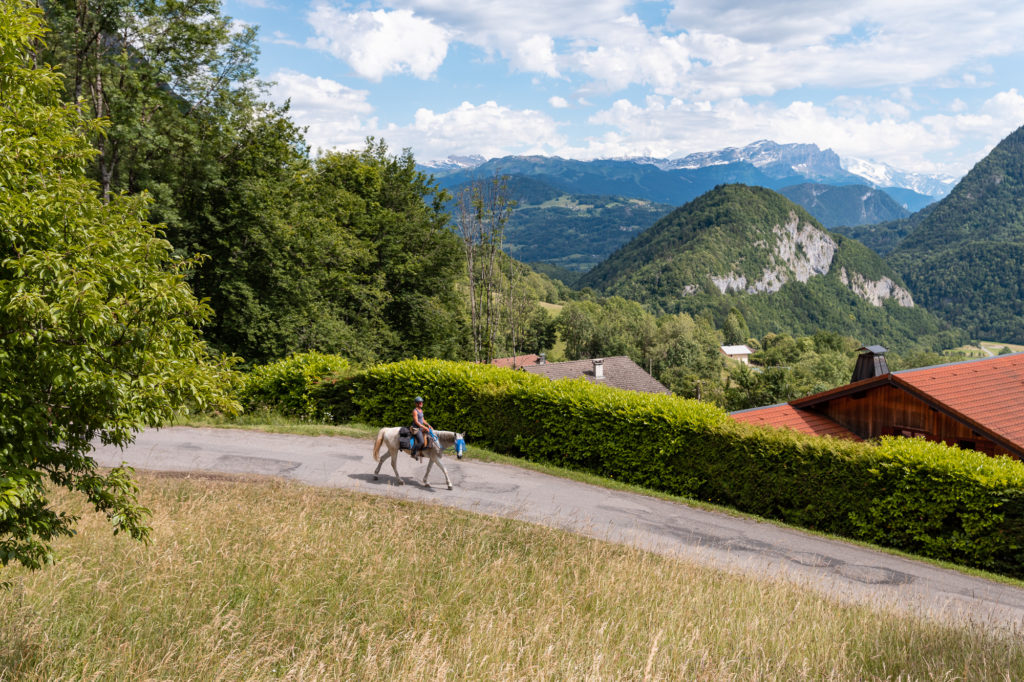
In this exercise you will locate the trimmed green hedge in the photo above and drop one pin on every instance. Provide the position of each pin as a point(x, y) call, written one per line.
point(914, 495)
point(287, 385)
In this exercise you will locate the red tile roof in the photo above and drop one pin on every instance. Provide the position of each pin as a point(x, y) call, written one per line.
point(988, 392)
point(789, 417)
point(516, 360)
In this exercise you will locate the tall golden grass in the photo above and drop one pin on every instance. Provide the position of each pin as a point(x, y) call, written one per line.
point(265, 579)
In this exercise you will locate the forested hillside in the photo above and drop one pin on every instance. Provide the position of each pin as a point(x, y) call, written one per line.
point(963, 259)
point(752, 249)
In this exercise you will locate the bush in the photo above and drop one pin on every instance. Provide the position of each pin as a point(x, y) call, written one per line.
point(287, 385)
point(914, 495)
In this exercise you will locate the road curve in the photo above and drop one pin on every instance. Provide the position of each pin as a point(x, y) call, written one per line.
point(842, 570)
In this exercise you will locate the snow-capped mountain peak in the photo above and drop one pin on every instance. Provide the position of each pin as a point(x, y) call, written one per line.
point(883, 175)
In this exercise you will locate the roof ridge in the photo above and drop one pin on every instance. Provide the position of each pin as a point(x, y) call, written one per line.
point(959, 362)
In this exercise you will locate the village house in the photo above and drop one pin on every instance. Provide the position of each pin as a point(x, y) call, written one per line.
point(740, 353)
point(618, 371)
point(975, 404)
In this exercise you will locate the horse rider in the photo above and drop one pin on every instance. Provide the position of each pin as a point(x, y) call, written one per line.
point(420, 427)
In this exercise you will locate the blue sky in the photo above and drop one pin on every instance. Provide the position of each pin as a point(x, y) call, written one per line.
point(926, 86)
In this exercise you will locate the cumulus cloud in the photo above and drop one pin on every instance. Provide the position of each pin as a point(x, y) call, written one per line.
point(558, 102)
point(336, 116)
point(380, 43)
point(537, 54)
point(488, 129)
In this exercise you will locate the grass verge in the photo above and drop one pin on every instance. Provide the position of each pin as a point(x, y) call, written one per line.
point(269, 579)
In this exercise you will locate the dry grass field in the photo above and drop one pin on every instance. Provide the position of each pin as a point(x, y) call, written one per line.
point(264, 580)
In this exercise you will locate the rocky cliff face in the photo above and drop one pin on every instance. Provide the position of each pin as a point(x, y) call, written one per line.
point(801, 251)
point(877, 291)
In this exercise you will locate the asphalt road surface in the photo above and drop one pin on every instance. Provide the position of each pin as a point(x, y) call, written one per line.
point(842, 570)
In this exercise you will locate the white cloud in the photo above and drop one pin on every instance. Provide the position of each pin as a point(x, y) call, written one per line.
point(380, 43)
point(336, 116)
point(488, 129)
point(558, 102)
point(537, 54)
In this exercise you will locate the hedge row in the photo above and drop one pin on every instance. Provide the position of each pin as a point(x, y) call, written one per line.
point(287, 385)
point(914, 495)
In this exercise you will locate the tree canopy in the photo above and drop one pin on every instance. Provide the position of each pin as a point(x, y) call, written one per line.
point(97, 323)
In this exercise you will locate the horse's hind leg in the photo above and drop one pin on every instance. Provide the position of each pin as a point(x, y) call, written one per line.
point(394, 465)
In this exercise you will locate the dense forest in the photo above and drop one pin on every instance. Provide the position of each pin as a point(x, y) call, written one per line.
point(962, 259)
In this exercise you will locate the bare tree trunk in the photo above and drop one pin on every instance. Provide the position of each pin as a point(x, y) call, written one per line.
point(482, 213)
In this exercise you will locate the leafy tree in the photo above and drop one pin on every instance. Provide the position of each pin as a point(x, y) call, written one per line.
point(97, 323)
point(735, 328)
point(410, 262)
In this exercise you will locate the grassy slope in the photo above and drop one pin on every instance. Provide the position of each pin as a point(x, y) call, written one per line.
point(251, 580)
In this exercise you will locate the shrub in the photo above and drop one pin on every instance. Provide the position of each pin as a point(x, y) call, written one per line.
point(923, 497)
point(288, 385)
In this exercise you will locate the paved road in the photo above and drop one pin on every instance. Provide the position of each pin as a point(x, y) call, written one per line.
point(842, 570)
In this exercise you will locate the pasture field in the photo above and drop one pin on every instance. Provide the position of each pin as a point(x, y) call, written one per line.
point(263, 579)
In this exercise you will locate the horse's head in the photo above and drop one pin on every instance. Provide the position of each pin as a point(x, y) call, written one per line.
point(460, 445)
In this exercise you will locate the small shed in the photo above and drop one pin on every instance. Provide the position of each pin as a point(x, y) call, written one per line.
point(740, 353)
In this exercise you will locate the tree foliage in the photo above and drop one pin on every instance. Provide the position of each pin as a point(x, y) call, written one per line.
point(962, 258)
point(97, 323)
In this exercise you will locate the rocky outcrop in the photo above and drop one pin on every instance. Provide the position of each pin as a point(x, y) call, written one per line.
point(800, 252)
point(877, 291)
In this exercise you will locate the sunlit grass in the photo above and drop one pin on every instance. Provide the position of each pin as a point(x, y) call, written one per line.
point(272, 422)
point(256, 580)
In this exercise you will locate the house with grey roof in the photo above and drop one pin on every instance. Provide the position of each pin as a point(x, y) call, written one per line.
point(618, 372)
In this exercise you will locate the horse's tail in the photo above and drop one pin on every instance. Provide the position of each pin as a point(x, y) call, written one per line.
point(377, 444)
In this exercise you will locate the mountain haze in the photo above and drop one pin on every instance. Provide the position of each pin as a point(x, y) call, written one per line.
point(753, 249)
point(846, 204)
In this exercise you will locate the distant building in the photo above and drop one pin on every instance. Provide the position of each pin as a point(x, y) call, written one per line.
point(619, 372)
point(518, 361)
point(975, 404)
point(740, 353)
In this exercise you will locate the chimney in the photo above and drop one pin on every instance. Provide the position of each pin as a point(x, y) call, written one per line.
point(599, 369)
point(870, 363)
point(542, 359)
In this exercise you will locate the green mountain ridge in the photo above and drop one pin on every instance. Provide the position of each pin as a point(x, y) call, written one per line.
point(753, 249)
point(963, 259)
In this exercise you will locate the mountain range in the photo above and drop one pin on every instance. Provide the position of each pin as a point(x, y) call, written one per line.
point(764, 163)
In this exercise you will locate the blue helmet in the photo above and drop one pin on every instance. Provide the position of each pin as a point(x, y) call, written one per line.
point(418, 399)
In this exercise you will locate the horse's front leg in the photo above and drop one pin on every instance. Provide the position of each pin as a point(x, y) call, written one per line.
point(430, 463)
point(447, 481)
point(440, 464)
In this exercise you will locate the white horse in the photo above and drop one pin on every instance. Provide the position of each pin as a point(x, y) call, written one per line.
point(388, 437)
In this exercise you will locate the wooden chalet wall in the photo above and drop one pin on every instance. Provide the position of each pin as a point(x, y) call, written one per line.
point(890, 411)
